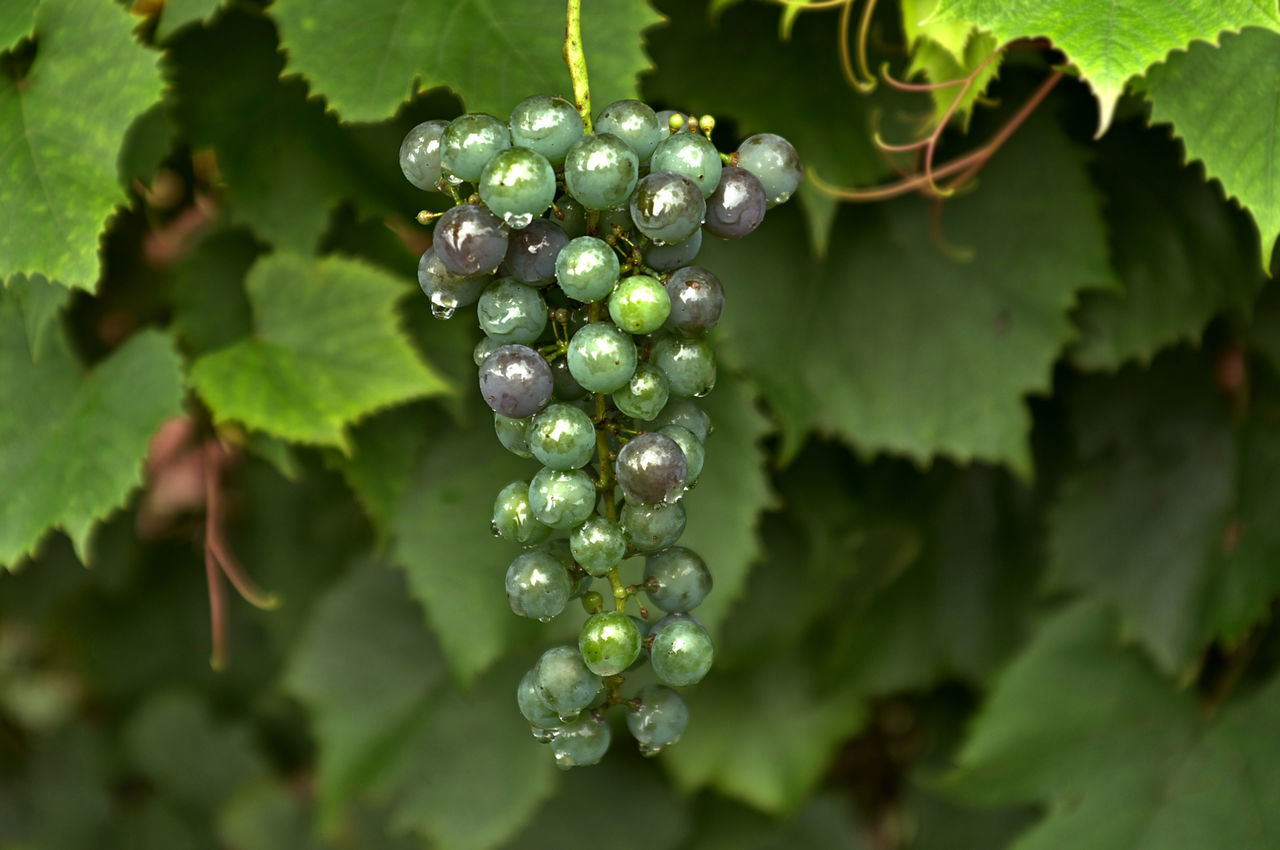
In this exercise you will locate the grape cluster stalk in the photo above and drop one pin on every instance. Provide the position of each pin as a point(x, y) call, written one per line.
point(575, 240)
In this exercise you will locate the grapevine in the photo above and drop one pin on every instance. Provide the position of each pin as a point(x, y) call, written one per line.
point(575, 236)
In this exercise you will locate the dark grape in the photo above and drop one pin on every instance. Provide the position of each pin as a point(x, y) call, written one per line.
point(697, 300)
point(667, 207)
point(737, 205)
point(515, 381)
point(469, 240)
point(532, 251)
point(447, 290)
point(651, 469)
point(669, 257)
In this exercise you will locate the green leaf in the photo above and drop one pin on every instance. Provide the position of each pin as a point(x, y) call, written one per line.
point(443, 541)
point(177, 745)
point(266, 816)
point(74, 457)
point(210, 307)
point(61, 128)
point(1168, 515)
point(825, 822)
point(367, 668)
point(944, 50)
point(366, 59)
point(733, 491)
point(1183, 254)
point(1224, 103)
point(283, 190)
point(325, 351)
point(1112, 40)
point(1078, 724)
point(764, 734)
point(471, 775)
point(794, 88)
point(176, 14)
point(379, 468)
point(40, 302)
point(18, 22)
point(993, 325)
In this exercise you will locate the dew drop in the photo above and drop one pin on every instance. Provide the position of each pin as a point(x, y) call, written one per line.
point(493, 529)
point(564, 761)
point(649, 751)
point(544, 619)
point(517, 220)
point(542, 736)
point(442, 306)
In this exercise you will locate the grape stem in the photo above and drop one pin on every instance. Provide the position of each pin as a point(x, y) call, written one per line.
point(576, 59)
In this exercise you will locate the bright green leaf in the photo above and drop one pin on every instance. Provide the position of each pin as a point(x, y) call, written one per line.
point(74, 457)
point(1182, 253)
point(367, 668)
point(733, 490)
point(1224, 103)
point(367, 58)
point(1112, 40)
point(40, 302)
point(945, 50)
point(61, 128)
point(17, 22)
point(176, 14)
point(792, 720)
point(1168, 516)
point(325, 351)
point(455, 565)
point(904, 349)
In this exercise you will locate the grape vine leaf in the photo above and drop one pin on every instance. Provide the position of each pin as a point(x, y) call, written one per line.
point(73, 458)
point(210, 307)
point(368, 669)
point(325, 351)
point(854, 319)
point(1110, 41)
point(366, 58)
point(795, 722)
point(442, 539)
point(61, 128)
point(379, 469)
point(40, 302)
point(826, 821)
point(283, 190)
point(944, 50)
point(733, 490)
point(1168, 516)
point(1224, 103)
point(1182, 253)
point(177, 14)
point(1079, 724)
point(18, 22)
point(461, 795)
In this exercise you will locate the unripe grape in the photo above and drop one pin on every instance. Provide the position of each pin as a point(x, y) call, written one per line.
point(468, 142)
point(546, 123)
point(609, 643)
point(420, 154)
point(680, 650)
point(634, 122)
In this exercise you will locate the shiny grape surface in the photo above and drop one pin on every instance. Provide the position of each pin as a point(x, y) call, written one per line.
point(574, 240)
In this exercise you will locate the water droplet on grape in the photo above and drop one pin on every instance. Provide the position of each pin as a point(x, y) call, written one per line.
point(542, 736)
point(443, 306)
point(649, 751)
point(517, 220)
point(564, 761)
point(544, 619)
point(493, 529)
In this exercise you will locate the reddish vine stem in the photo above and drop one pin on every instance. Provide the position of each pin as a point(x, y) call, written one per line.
point(967, 166)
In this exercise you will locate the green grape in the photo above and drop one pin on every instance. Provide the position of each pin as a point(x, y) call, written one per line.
point(691, 155)
point(512, 433)
point(645, 395)
point(592, 602)
point(658, 718)
point(571, 215)
point(775, 162)
point(531, 704)
point(639, 304)
point(695, 454)
point(685, 413)
point(634, 122)
point(518, 185)
point(538, 585)
point(512, 313)
point(420, 154)
point(676, 579)
point(617, 220)
point(600, 171)
point(513, 517)
point(680, 650)
point(581, 742)
point(587, 269)
point(609, 643)
point(561, 436)
point(652, 527)
point(483, 349)
point(564, 386)
point(546, 123)
point(468, 143)
point(601, 358)
point(689, 364)
point(564, 682)
point(561, 498)
point(598, 545)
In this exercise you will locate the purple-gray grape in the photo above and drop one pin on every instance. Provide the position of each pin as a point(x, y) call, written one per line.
point(697, 300)
point(651, 469)
point(470, 240)
point(737, 205)
point(532, 251)
point(515, 381)
point(667, 207)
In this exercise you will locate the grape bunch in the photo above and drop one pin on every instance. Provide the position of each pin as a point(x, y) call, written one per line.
point(576, 245)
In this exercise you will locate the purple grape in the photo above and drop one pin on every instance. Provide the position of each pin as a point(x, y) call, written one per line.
point(516, 381)
point(470, 240)
point(667, 207)
point(532, 252)
point(737, 205)
point(651, 469)
point(697, 300)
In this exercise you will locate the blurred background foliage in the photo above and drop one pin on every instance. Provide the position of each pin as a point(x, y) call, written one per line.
point(990, 502)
